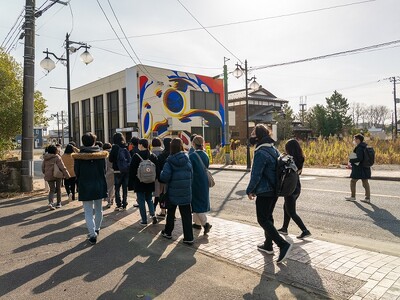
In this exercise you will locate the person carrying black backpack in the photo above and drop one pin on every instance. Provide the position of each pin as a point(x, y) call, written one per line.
point(359, 169)
point(120, 157)
point(262, 185)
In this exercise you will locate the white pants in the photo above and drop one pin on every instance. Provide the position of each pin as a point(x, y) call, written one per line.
point(200, 218)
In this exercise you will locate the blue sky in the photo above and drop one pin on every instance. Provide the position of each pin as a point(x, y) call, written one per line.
point(267, 41)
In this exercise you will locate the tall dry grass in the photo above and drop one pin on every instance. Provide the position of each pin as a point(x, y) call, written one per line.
point(329, 152)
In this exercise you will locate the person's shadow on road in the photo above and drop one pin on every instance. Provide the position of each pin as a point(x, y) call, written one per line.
point(382, 218)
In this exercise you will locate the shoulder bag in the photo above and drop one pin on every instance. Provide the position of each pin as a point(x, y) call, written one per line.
point(211, 181)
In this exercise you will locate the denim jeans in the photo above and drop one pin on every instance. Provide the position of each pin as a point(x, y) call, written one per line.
point(121, 179)
point(289, 209)
point(142, 199)
point(265, 208)
point(93, 223)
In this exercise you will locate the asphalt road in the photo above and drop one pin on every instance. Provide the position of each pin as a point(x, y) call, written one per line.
point(323, 209)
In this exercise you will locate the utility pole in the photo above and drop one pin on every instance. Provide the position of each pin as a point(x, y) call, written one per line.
point(303, 108)
point(394, 79)
point(226, 108)
point(67, 46)
point(28, 100)
point(62, 128)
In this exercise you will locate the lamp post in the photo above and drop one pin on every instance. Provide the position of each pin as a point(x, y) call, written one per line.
point(48, 64)
point(254, 85)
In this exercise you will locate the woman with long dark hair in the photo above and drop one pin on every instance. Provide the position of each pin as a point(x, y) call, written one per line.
point(293, 148)
point(177, 174)
point(262, 185)
point(68, 161)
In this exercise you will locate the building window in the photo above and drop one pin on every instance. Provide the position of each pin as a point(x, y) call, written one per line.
point(203, 100)
point(113, 113)
point(99, 118)
point(86, 116)
point(75, 123)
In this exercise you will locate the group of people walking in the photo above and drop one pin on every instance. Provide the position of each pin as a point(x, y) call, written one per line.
point(178, 179)
point(102, 171)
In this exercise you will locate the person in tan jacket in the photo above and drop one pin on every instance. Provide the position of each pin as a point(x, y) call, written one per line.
point(49, 160)
point(69, 183)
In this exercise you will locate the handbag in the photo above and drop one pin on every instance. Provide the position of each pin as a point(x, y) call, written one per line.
point(57, 172)
point(211, 181)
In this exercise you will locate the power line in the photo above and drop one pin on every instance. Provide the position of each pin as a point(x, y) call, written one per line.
point(242, 22)
point(116, 34)
point(16, 21)
point(129, 43)
point(230, 52)
point(347, 52)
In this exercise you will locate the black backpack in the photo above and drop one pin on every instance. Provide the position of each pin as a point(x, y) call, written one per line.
point(287, 176)
point(123, 160)
point(369, 157)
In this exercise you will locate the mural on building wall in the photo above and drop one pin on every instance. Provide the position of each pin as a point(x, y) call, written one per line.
point(168, 96)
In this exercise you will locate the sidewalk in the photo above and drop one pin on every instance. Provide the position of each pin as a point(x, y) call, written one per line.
point(328, 269)
point(378, 172)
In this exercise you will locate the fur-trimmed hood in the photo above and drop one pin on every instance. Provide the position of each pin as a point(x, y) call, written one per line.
point(89, 153)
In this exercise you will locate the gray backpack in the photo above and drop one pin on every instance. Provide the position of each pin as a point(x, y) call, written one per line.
point(146, 171)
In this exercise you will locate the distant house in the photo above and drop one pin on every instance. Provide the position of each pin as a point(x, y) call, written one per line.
point(262, 107)
point(377, 133)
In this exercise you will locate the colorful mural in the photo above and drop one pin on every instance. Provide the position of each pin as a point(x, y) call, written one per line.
point(166, 96)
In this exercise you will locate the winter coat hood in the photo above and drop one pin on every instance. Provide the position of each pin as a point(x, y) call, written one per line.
point(89, 153)
point(179, 159)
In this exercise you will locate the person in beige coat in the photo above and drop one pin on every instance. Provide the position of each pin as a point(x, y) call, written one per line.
point(49, 160)
point(109, 178)
point(69, 183)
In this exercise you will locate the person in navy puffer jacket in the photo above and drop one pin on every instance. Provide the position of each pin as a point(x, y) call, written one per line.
point(263, 186)
point(177, 173)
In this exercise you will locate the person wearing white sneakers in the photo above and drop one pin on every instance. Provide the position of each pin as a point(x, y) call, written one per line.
point(359, 170)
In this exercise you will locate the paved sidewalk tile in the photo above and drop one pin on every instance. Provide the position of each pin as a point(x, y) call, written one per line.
point(378, 274)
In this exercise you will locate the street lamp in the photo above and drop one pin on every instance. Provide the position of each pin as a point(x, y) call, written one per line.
point(254, 85)
point(48, 64)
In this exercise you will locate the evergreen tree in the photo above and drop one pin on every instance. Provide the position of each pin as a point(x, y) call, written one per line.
point(337, 108)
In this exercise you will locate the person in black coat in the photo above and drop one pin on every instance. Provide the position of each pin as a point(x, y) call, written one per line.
point(358, 170)
point(293, 148)
point(143, 190)
point(120, 178)
point(90, 170)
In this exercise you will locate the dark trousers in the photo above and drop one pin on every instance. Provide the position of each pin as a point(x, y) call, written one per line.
point(289, 209)
point(186, 215)
point(70, 185)
point(265, 208)
point(121, 180)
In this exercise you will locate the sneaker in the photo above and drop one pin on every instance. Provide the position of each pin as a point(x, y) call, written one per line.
point(135, 205)
point(144, 224)
point(207, 228)
point(69, 197)
point(263, 248)
point(93, 240)
point(166, 235)
point(284, 251)
point(50, 206)
point(350, 198)
point(366, 200)
point(161, 216)
point(122, 208)
point(188, 242)
point(195, 226)
point(155, 221)
point(58, 205)
point(97, 231)
point(283, 231)
point(117, 208)
point(304, 234)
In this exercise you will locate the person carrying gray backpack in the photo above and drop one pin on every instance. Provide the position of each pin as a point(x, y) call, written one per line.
point(142, 174)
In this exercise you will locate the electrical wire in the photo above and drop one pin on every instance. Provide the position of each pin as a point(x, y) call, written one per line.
point(116, 34)
point(12, 28)
point(242, 22)
point(72, 17)
point(230, 52)
point(341, 53)
point(129, 43)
